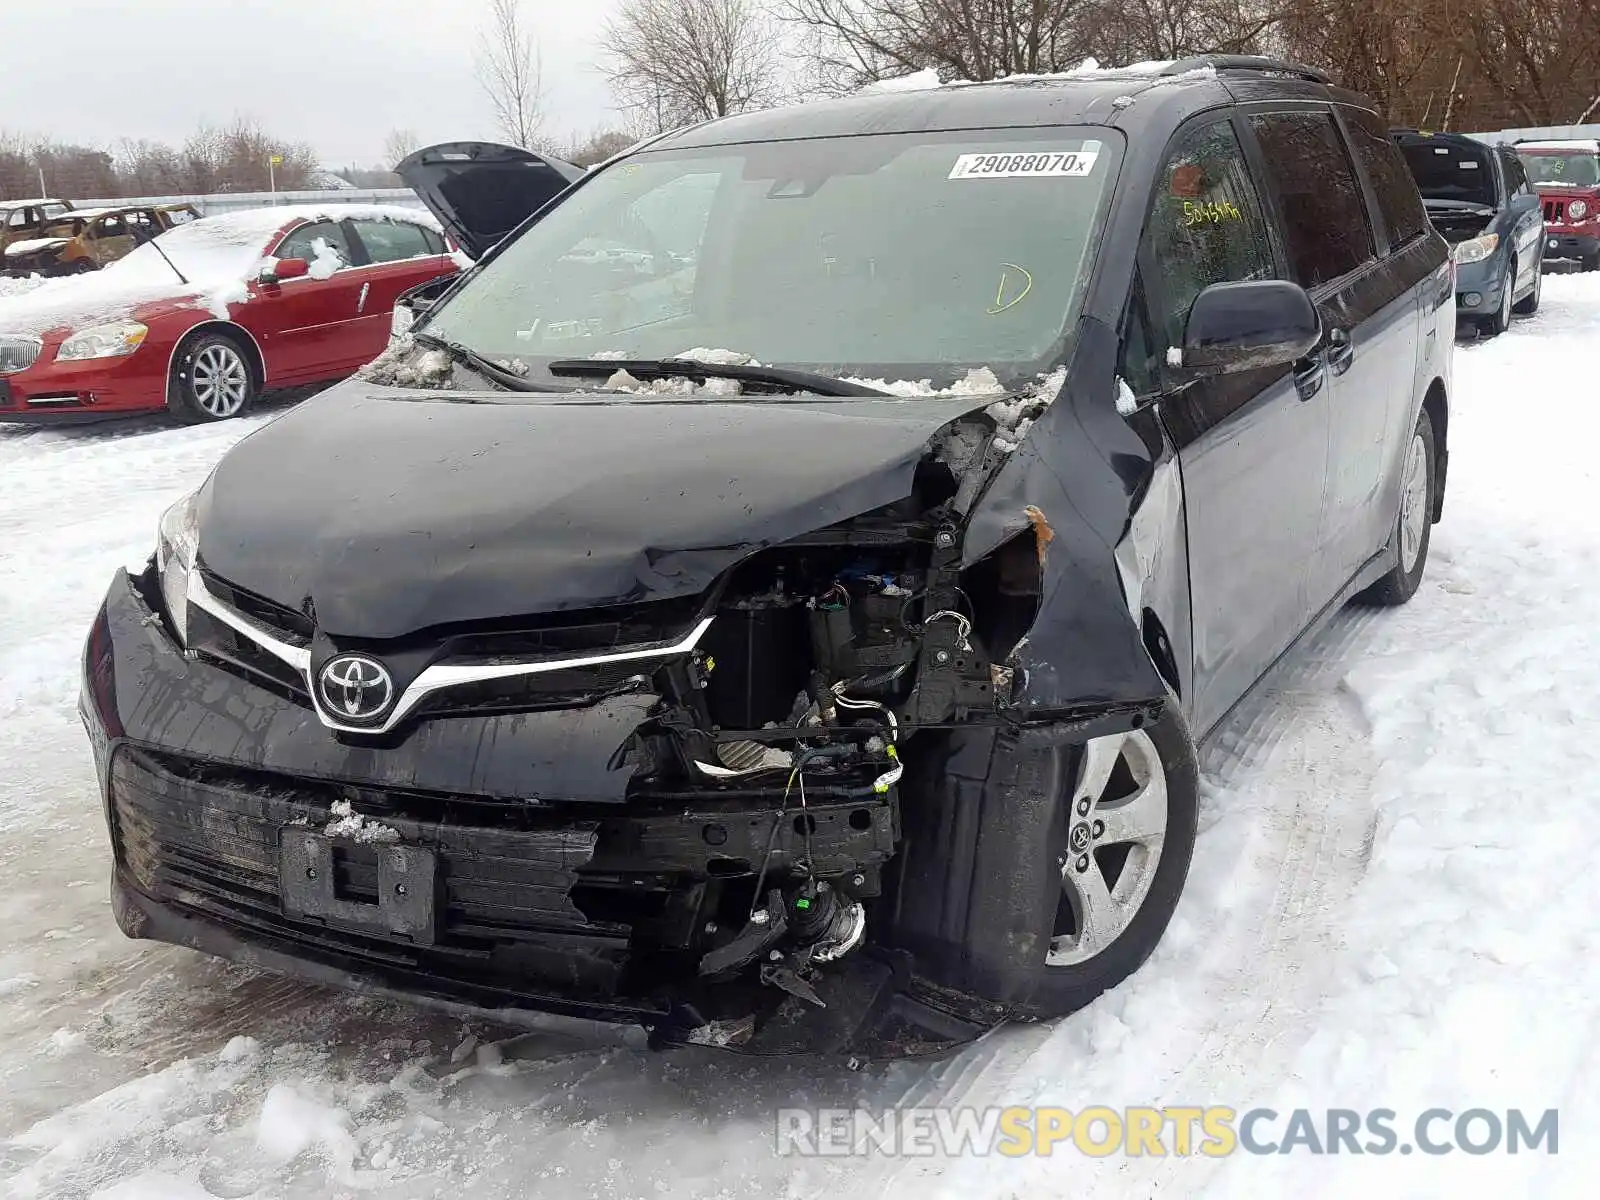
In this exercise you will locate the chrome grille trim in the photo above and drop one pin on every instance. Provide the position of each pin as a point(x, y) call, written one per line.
point(435, 678)
point(18, 352)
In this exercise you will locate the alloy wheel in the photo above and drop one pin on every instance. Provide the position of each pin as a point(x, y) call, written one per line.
point(1114, 837)
point(220, 380)
point(1413, 503)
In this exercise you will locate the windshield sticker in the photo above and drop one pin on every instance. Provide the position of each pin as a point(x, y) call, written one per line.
point(1054, 164)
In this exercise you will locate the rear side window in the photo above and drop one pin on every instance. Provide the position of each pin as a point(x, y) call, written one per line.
point(1206, 225)
point(393, 241)
point(1380, 158)
point(1324, 215)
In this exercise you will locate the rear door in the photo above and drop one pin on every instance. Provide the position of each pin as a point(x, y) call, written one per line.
point(399, 256)
point(1369, 306)
point(1252, 447)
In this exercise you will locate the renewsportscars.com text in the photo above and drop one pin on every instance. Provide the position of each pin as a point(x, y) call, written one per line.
point(1180, 1131)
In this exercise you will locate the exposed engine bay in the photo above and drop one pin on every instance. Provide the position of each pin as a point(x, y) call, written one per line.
point(786, 732)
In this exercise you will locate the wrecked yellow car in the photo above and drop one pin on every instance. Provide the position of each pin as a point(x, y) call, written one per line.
point(87, 239)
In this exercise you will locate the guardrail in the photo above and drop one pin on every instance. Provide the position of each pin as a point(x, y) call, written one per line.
point(234, 201)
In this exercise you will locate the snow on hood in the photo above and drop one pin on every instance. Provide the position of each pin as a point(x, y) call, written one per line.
point(1580, 147)
point(34, 244)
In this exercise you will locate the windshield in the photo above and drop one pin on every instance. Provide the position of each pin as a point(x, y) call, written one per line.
point(1448, 171)
point(1562, 170)
point(896, 256)
point(213, 251)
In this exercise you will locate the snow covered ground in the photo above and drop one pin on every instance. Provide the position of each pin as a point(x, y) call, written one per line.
point(1395, 902)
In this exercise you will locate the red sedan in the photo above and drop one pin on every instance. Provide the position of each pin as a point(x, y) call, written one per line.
point(201, 319)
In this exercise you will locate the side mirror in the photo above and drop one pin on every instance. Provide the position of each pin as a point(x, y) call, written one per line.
point(285, 268)
point(1249, 326)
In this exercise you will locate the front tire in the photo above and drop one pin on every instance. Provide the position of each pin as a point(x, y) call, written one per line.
point(1529, 304)
point(212, 380)
point(979, 895)
point(1124, 858)
point(1497, 324)
point(1413, 526)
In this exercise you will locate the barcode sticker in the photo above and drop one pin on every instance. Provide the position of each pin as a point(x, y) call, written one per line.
point(1052, 164)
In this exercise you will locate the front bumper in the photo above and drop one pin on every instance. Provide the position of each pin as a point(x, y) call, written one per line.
point(1478, 288)
point(51, 392)
point(566, 907)
point(1565, 242)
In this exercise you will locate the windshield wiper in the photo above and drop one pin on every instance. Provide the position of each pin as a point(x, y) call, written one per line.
point(491, 371)
point(154, 242)
point(779, 378)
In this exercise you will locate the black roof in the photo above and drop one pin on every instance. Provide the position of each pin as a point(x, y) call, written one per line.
point(1133, 100)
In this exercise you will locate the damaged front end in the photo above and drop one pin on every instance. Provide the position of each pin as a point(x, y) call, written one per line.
point(739, 815)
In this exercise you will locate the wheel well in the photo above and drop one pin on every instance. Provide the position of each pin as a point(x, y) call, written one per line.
point(1159, 646)
point(237, 334)
point(1438, 410)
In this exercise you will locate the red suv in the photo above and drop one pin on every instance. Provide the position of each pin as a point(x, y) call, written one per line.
point(1567, 175)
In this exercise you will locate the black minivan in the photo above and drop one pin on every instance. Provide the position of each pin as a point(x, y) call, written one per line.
point(775, 596)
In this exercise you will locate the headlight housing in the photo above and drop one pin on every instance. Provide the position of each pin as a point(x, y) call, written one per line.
point(400, 322)
point(103, 341)
point(176, 541)
point(1475, 249)
point(1577, 210)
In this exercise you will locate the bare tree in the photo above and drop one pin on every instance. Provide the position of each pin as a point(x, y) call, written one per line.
point(510, 73)
point(861, 41)
point(399, 144)
point(674, 62)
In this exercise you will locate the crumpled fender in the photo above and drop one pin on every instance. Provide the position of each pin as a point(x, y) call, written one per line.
point(1081, 474)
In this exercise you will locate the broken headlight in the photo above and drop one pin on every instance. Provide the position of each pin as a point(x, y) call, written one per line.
point(175, 550)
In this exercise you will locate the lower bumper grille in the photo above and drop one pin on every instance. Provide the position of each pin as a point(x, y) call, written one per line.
point(505, 917)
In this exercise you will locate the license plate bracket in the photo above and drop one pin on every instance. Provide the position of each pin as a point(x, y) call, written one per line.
point(407, 886)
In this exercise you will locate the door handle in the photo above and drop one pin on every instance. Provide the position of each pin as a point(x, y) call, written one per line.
point(1309, 374)
point(1341, 351)
point(361, 305)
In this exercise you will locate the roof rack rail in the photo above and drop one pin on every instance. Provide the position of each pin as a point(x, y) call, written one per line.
point(1246, 62)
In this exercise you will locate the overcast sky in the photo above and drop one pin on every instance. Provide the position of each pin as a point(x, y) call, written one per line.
point(339, 74)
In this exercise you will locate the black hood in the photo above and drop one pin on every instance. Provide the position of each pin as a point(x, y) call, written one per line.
point(386, 512)
point(480, 192)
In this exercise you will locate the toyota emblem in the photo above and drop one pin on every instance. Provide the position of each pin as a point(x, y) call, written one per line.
point(355, 687)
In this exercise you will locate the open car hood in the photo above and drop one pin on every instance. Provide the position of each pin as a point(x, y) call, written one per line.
point(386, 513)
point(480, 191)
